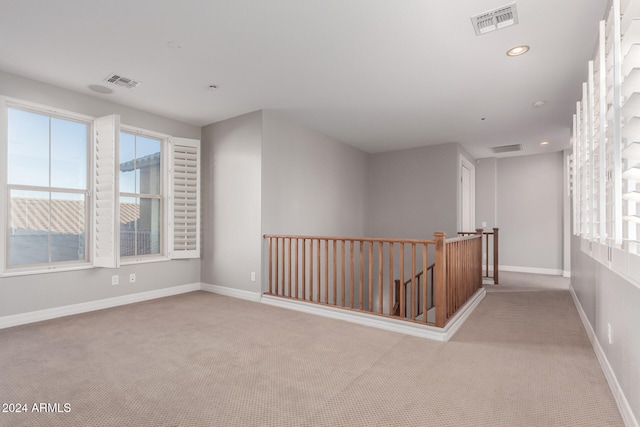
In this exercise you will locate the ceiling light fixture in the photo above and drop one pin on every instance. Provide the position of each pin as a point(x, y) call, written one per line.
point(539, 104)
point(545, 143)
point(518, 50)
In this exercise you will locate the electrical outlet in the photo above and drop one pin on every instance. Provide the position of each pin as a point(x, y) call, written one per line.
point(115, 279)
point(609, 334)
point(132, 278)
point(253, 276)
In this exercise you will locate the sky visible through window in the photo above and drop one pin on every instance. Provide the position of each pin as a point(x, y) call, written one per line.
point(47, 151)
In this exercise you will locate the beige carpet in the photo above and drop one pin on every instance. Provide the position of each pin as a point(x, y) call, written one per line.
point(198, 359)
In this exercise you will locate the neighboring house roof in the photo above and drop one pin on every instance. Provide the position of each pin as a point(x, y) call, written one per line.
point(67, 216)
point(141, 162)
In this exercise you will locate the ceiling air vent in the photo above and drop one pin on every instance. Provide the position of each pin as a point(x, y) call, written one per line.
point(507, 148)
point(121, 81)
point(495, 19)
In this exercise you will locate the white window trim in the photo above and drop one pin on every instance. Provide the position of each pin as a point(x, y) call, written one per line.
point(167, 192)
point(164, 193)
point(9, 102)
point(613, 250)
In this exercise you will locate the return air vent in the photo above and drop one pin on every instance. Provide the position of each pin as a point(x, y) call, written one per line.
point(495, 19)
point(507, 148)
point(121, 81)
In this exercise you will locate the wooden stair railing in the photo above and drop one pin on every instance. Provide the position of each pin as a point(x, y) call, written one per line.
point(494, 243)
point(419, 283)
point(355, 273)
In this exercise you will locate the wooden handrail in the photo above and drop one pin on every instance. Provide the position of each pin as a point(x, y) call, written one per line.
point(360, 273)
point(352, 239)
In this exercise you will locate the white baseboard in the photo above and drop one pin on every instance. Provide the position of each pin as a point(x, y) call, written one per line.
point(566, 274)
point(621, 400)
point(67, 310)
point(465, 311)
point(231, 292)
point(533, 270)
point(388, 324)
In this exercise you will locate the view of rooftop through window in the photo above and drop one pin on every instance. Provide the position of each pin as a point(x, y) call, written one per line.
point(47, 182)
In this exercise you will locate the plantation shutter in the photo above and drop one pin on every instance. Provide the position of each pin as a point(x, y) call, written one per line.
point(184, 201)
point(106, 212)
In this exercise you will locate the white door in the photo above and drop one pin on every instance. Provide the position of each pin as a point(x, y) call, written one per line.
point(467, 196)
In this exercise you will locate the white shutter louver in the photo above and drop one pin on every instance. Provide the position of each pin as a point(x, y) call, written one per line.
point(184, 236)
point(106, 213)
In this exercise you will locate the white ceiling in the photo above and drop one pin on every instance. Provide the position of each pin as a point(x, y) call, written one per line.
point(377, 74)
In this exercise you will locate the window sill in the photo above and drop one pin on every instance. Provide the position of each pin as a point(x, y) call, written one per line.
point(133, 260)
point(14, 272)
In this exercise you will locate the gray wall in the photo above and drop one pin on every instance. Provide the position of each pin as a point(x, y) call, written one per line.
point(232, 165)
point(486, 181)
point(530, 209)
point(413, 193)
point(34, 292)
point(311, 183)
point(608, 298)
point(264, 174)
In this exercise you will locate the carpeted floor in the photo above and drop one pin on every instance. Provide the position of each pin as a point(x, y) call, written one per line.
point(198, 359)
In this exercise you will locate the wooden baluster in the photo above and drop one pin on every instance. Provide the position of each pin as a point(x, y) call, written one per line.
point(351, 273)
point(391, 246)
point(282, 267)
point(380, 278)
point(290, 266)
point(495, 256)
point(276, 280)
point(361, 281)
point(270, 265)
point(487, 252)
point(425, 282)
point(344, 273)
point(326, 271)
point(311, 270)
point(318, 276)
point(295, 257)
point(403, 298)
point(413, 281)
point(440, 279)
point(303, 257)
point(370, 263)
point(335, 271)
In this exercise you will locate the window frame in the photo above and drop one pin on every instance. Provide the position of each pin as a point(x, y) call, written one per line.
point(618, 248)
point(163, 196)
point(106, 130)
point(7, 103)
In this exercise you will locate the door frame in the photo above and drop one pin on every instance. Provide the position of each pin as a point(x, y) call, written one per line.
point(466, 164)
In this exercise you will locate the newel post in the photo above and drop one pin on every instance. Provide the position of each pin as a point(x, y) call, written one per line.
point(440, 279)
point(495, 256)
point(480, 232)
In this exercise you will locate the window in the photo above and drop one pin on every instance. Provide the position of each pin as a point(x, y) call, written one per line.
point(606, 148)
point(47, 188)
point(77, 192)
point(141, 200)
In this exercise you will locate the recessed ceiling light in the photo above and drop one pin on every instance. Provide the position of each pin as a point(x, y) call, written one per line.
point(100, 89)
point(174, 45)
point(518, 50)
point(545, 143)
point(539, 104)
